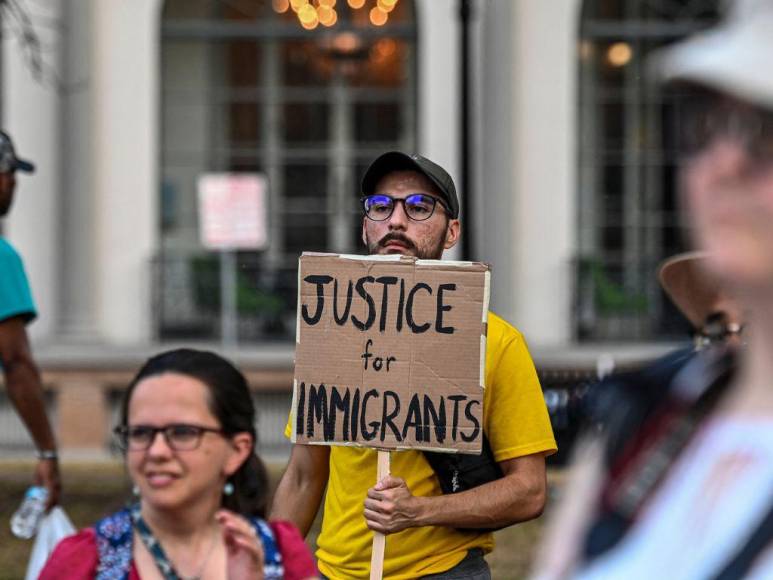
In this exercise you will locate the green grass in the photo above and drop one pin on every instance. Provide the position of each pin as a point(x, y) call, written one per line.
point(93, 490)
point(90, 491)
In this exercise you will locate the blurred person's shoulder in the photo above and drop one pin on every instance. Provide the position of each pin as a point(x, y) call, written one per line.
point(11, 263)
point(8, 253)
point(644, 385)
point(15, 294)
point(620, 404)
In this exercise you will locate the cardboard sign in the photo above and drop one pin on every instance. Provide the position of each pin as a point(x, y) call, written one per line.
point(232, 211)
point(390, 352)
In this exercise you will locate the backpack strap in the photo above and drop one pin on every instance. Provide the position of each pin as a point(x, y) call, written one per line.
point(114, 546)
point(460, 471)
point(273, 568)
point(650, 446)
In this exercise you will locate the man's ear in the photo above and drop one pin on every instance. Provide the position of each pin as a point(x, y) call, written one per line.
point(364, 237)
point(452, 234)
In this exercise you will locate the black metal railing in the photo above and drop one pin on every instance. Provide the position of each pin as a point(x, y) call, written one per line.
point(187, 297)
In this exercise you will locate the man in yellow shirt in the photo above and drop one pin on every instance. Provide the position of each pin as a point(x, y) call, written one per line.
point(411, 208)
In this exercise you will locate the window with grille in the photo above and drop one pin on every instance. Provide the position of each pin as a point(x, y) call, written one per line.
point(628, 209)
point(247, 88)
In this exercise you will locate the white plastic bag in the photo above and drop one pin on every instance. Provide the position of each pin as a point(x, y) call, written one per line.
point(53, 527)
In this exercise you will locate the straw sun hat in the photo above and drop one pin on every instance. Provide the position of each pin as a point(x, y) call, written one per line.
point(694, 292)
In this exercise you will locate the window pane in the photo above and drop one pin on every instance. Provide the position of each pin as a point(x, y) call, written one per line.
point(374, 122)
point(628, 211)
point(305, 122)
point(246, 89)
point(305, 233)
point(308, 182)
point(301, 64)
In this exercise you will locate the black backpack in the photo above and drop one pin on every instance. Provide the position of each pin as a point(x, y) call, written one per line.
point(459, 472)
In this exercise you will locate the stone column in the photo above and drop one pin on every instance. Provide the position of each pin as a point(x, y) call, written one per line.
point(438, 91)
point(125, 46)
point(542, 70)
point(78, 242)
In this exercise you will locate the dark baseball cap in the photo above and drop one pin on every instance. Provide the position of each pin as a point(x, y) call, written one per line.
point(8, 160)
point(399, 161)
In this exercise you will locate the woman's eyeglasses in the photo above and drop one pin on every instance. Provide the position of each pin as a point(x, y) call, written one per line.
point(417, 206)
point(179, 436)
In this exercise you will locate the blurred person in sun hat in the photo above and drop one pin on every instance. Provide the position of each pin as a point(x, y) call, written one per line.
point(17, 309)
point(681, 484)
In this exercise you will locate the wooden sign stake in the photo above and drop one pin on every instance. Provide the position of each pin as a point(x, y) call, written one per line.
point(379, 539)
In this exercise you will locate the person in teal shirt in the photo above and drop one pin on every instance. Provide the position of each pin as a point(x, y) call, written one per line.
point(15, 294)
point(17, 309)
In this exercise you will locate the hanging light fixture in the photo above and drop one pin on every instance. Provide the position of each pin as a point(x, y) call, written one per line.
point(312, 13)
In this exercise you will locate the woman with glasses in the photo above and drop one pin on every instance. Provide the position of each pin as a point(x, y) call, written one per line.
point(188, 437)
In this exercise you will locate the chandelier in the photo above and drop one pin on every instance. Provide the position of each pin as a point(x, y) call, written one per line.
point(312, 13)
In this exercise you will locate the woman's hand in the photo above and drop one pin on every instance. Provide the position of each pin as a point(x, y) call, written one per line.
point(244, 550)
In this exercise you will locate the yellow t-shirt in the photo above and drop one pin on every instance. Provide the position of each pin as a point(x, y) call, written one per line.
point(516, 422)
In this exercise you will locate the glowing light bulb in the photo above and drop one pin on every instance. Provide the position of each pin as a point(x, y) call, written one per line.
point(356, 3)
point(385, 48)
point(378, 17)
point(327, 16)
point(296, 5)
point(386, 5)
point(619, 54)
point(347, 42)
point(281, 6)
point(307, 14)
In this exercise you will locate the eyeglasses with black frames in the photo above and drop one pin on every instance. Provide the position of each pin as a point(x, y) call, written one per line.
point(179, 436)
point(418, 206)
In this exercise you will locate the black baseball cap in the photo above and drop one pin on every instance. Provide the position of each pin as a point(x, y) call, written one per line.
point(399, 161)
point(8, 160)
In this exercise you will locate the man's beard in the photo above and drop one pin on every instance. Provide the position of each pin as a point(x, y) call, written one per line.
point(421, 251)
